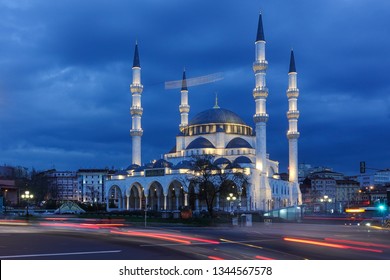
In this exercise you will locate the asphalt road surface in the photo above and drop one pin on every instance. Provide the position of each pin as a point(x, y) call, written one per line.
point(96, 240)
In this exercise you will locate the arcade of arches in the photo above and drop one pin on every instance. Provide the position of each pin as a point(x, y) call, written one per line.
point(174, 197)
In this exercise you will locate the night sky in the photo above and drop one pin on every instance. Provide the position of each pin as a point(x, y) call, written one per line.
point(65, 71)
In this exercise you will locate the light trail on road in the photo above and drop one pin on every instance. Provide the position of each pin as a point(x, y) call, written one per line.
point(59, 254)
point(367, 244)
point(326, 244)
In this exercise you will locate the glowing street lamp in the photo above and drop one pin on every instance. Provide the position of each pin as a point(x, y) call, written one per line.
point(326, 199)
point(27, 196)
point(231, 198)
point(382, 209)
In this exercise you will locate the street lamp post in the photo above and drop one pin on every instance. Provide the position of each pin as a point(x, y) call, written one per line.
point(326, 199)
point(5, 201)
point(27, 196)
point(231, 198)
point(382, 209)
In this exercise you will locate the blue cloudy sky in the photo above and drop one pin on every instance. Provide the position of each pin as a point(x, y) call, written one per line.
point(65, 70)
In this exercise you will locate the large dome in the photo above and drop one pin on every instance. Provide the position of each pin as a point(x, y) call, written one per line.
point(216, 120)
point(216, 115)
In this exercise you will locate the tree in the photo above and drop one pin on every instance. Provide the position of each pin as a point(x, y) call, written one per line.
point(210, 180)
point(94, 195)
point(39, 185)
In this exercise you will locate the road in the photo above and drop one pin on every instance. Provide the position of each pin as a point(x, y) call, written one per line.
point(98, 240)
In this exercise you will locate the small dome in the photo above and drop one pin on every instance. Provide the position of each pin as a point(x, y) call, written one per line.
point(238, 143)
point(216, 115)
point(146, 166)
point(132, 167)
point(222, 160)
point(233, 165)
point(161, 163)
point(200, 143)
point(139, 169)
point(185, 164)
point(242, 159)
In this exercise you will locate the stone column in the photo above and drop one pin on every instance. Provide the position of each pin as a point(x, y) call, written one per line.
point(146, 202)
point(158, 202)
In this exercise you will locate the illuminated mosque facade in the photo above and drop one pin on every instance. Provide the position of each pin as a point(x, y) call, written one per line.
point(218, 132)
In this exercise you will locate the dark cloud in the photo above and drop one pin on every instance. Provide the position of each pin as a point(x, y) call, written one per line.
point(65, 70)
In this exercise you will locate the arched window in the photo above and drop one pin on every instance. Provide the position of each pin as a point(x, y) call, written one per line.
point(228, 128)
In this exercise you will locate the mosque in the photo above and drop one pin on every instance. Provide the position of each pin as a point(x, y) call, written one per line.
point(218, 132)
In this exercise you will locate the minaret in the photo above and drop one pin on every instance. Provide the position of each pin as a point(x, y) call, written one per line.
point(292, 116)
point(136, 109)
point(260, 93)
point(184, 108)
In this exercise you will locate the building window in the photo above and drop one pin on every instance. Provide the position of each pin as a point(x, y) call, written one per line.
point(227, 128)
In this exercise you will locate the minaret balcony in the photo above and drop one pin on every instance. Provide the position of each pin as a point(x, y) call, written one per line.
point(260, 65)
point(182, 127)
point(136, 110)
point(292, 134)
point(260, 92)
point(184, 108)
point(293, 114)
point(136, 132)
point(292, 93)
point(263, 117)
point(136, 88)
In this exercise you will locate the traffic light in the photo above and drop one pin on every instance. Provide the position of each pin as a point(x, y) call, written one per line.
point(362, 167)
